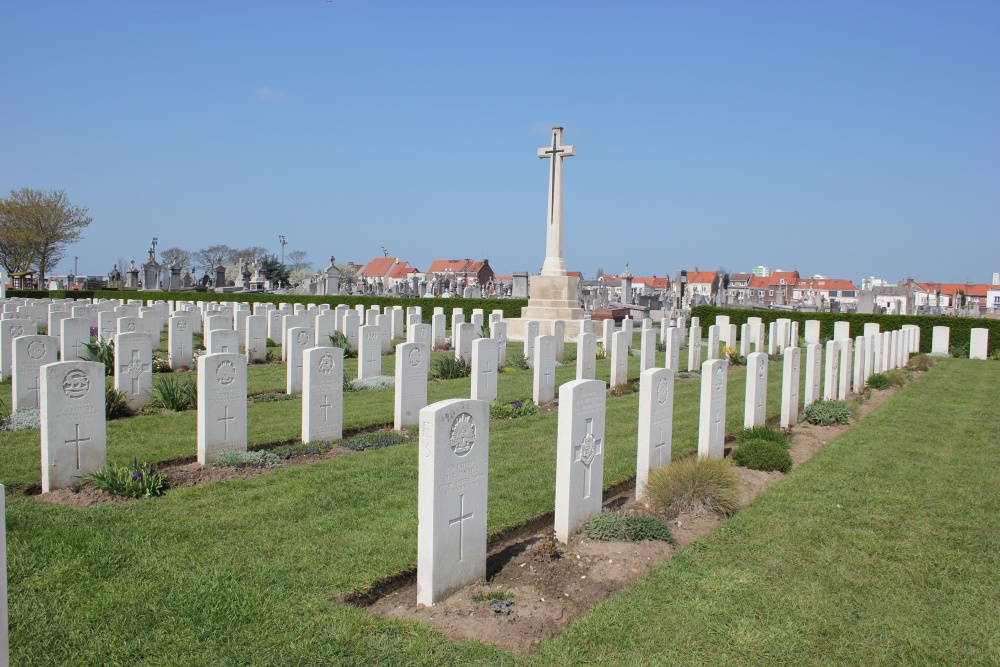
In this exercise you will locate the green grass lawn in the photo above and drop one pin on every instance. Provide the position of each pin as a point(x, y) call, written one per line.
point(248, 571)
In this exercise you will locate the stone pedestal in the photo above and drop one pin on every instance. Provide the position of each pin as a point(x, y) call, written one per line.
point(552, 298)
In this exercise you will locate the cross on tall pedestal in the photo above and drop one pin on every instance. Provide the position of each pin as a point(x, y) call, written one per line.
point(554, 264)
point(460, 519)
point(77, 441)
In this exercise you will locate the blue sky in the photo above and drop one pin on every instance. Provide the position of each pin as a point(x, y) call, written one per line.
point(846, 139)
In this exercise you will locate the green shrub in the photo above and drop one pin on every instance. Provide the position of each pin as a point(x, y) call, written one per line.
point(338, 339)
point(959, 351)
point(172, 394)
point(763, 433)
point(879, 381)
point(921, 362)
point(257, 459)
point(270, 343)
point(512, 409)
point(899, 377)
point(373, 382)
point(103, 351)
point(376, 440)
point(138, 480)
point(628, 527)
point(995, 354)
point(694, 484)
point(450, 368)
point(116, 404)
point(825, 413)
point(762, 455)
point(517, 360)
point(4, 415)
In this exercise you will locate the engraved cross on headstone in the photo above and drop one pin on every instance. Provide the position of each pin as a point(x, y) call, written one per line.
point(77, 442)
point(460, 519)
point(659, 447)
point(34, 389)
point(588, 448)
point(488, 373)
point(134, 369)
point(76, 348)
point(326, 405)
point(225, 419)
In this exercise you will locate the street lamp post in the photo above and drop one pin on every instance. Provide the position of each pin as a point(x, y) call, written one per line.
point(283, 241)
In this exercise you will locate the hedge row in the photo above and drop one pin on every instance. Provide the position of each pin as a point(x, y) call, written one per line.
point(961, 327)
point(511, 307)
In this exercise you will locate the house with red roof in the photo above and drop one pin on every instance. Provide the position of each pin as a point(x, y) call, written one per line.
point(466, 271)
point(950, 295)
point(823, 292)
point(697, 286)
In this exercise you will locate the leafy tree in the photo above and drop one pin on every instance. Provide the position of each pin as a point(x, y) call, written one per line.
point(171, 256)
point(299, 276)
point(273, 270)
point(210, 257)
point(36, 227)
point(248, 255)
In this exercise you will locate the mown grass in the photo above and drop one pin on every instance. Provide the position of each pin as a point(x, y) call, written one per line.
point(248, 571)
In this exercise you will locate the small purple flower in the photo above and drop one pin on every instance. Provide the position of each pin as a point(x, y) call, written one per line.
point(152, 473)
point(93, 331)
point(517, 405)
point(137, 475)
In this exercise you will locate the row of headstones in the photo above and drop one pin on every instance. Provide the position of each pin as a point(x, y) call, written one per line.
point(978, 342)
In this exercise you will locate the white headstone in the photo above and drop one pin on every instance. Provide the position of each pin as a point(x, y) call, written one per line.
point(384, 324)
point(438, 329)
point(256, 338)
point(859, 364)
point(559, 333)
point(772, 338)
point(325, 326)
point(322, 394)
point(74, 335)
point(579, 455)
point(499, 333)
point(978, 343)
point(420, 333)
point(586, 356)
point(694, 348)
point(831, 373)
point(619, 358)
point(352, 328)
point(673, 353)
point(713, 342)
point(369, 351)
point(656, 420)
point(73, 433)
point(274, 330)
point(484, 369)
point(745, 339)
point(462, 339)
point(134, 368)
point(222, 405)
point(412, 365)
point(298, 340)
point(222, 341)
point(940, 342)
point(790, 378)
point(841, 330)
point(544, 370)
point(755, 403)
point(179, 341)
point(452, 490)
point(844, 379)
point(712, 417)
point(530, 334)
point(607, 336)
point(647, 349)
point(30, 353)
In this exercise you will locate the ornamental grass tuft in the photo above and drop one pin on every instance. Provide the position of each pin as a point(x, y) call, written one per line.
point(696, 485)
point(138, 480)
point(173, 394)
point(450, 368)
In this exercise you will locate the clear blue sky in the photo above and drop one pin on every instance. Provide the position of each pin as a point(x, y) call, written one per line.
point(842, 138)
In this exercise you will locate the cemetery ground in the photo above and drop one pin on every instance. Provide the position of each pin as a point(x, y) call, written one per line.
point(880, 550)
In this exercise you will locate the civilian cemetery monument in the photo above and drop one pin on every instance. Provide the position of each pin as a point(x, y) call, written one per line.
point(238, 476)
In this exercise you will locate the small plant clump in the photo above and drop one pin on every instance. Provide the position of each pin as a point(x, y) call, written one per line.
point(734, 357)
point(19, 420)
point(375, 440)
point(450, 368)
point(256, 459)
point(338, 339)
point(172, 394)
point(300, 449)
point(517, 360)
point(825, 413)
point(696, 485)
point(373, 382)
point(628, 527)
point(512, 409)
point(116, 404)
point(138, 480)
point(103, 351)
point(879, 381)
point(959, 351)
point(625, 389)
point(922, 362)
point(688, 374)
point(763, 433)
point(995, 354)
point(547, 549)
point(763, 455)
point(161, 365)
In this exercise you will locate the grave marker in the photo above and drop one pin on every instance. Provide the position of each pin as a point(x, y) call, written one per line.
point(579, 455)
point(73, 432)
point(322, 394)
point(369, 352)
point(656, 423)
point(712, 418)
point(544, 371)
point(297, 341)
point(134, 368)
point(484, 369)
point(755, 403)
point(412, 364)
point(30, 353)
point(619, 358)
point(586, 356)
point(222, 405)
point(790, 378)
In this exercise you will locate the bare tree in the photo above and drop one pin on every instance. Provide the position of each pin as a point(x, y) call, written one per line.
point(212, 256)
point(251, 254)
point(297, 261)
point(173, 256)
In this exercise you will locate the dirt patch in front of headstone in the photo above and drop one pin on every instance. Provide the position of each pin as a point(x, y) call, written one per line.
point(550, 592)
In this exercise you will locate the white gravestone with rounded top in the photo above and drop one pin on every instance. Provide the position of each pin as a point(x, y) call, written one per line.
point(619, 358)
point(180, 332)
point(462, 339)
point(712, 417)
point(790, 377)
point(559, 333)
point(369, 351)
point(814, 371)
point(73, 431)
point(484, 369)
point(325, 324)
point(579, 455)
point(412, 364)
point(255, 341)
point(844, 378)
point(859, 364)
point(673, 352)
point(499, 333)
point(222, 341)
point(656, 423)
point(74, 335)
point(134, 368)
point(438, 334)
point(607, 336)
point(694, 348)
point(544, 370)
point(586, 356)
point(940, 340)
point(832, 371)
point(222, 405)
point(452, 497)
point(419, 333)
point(322, 394)
point(30, 353)
point(530, 334)
point(978, 343)
point(647, 349)
point(713, 342)
point(755, 404)
point(297, 341)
